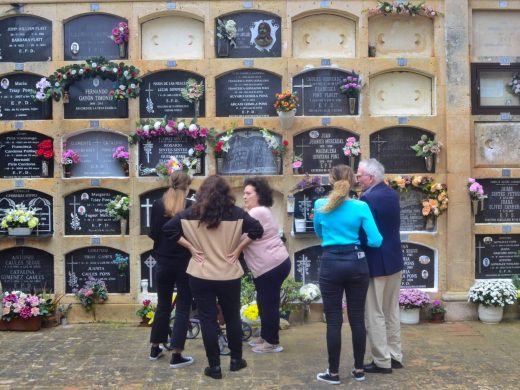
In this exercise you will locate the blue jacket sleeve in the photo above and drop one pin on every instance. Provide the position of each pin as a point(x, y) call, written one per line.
point(374, 238)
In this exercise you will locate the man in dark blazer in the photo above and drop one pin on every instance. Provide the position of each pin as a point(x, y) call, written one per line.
point(385, 264)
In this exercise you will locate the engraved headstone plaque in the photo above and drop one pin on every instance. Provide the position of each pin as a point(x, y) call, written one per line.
point(497, 256)
point(420, 265)
point(25, 39)
point(307, 265)
point(26, 269)
point(95, 149)
point(16, 98)
point(148, 270)
point(392, 148)
point(161, 95)
point(258, 35)
point(85, 213)
point(32, 199)
point(318, 91)
point(247, 93)
point(322, 148)
point(18, 155)
point(502, 204)
point(89, 35)
point(411, 211)
point(98, 262)
point(303, 221)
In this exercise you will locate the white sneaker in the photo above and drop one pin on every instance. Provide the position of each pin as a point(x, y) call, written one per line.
point(327, 378)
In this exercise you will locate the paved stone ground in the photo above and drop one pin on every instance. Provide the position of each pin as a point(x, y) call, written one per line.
point(463, 355)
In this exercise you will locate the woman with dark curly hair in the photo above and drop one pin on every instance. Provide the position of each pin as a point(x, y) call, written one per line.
point(269, 262)
point(211, 231)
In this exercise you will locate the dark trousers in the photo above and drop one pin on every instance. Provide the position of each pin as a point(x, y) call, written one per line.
point(342, 271)
point(169, 275)
point(268, 300)
point(206, 292)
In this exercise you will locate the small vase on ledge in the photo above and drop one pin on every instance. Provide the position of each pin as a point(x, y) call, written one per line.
point(428, 160)
point(351, 161)
point(220, 164)
point(352, 102)
point(19, 231)
point(124, 226)
point(196, 105)
point(286, 118)
point(66, 170)
point(278, 163)
point(429, 223)
point(45, 168)
point(122, 49)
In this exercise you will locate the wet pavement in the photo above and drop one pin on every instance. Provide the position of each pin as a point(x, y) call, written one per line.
point(460, 355)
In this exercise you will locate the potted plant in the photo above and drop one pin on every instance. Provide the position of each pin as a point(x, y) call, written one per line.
point(146, 312)
point(64, 312)
point(68, 159)
point(226, 34)
point(119, 209)
point(351, 86)
point(192, 93)
point(308, 293)
point(289, 296)
point(52, 318)
point(45, 150)
point(297, 163)
point(20, 220)
point(437, 312)
point(22, 311)
point(93, 291)
point(286, 104)
point(352, 149)
point(278, 149)
point(122, 156)
point(492, 296)
point(120, 36)
point(410, 303)
point(427, 148)
point(476, 194)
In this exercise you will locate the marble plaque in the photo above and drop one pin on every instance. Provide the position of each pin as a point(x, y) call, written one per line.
point(161, 95)
point(34, 199)
point(304, 207)
point(502, 204)
point(420, 266)
point(411, 211)
point(95, 261)
point(25, 38)
point(497, 256)
point(496, 144)
point(307, 265)
point(157, 42)
point(495, 33)
point(95, 149)
point(324, 36)
point(26, 269)
point(401, 93)
point(401, 36)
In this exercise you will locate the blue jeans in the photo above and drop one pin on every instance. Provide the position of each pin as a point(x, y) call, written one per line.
point(344, 268)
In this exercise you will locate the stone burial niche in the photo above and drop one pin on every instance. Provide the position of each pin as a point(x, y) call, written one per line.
point(420, 266)
point(18, 158)
point(161, 95)
point(16, 98)
point(157, 42)
point(89, 36)
point(26, 269)
point(95, 149)
point(324, 35)
point(494, 34)
point(98, 262)
point(400, 36)
point(496, 144)
point(25, 38)
point(401, 93)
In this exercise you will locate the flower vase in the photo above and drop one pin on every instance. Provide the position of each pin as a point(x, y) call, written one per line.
point(19, 231)
point(286, 118)
point(124, 226)
point(297, 171)
point(126, 168)
point(437, 318)
point(371, 51)
point(429, 223)
point(30, 324)
point(122, 50)
point(306, 313)
point(428, 160)
point(66, 97)
point(220, 164)
point(46, 109)
point(66, 171)
point(198, 166)
point(196, 105)
point(278, 163)
point(351, 161)
point(223, 48)
point(122, 108)
point(474, 206)
point(352, 101)
point(409, 316)
point(300, 225)
point(490, 314)
point(45, 168)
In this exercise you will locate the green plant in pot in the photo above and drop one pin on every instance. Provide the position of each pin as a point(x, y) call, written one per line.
point(289, 296)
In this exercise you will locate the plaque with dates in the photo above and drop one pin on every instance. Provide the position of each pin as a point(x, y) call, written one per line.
point(497, 256)
point(307, 265)
point(26, 269)
point(502, 204)
point(25, 38)
point(420, 265)
point(303, 221)
point(411, 211)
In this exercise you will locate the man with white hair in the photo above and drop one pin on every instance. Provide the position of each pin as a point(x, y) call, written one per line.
point(385, 265)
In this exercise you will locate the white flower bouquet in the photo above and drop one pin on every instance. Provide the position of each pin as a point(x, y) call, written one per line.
point(493, 293)
point(20, 216)
point(119, 207)
point(309, 293)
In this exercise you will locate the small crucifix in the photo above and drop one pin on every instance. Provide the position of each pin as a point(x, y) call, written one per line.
point(147, 205)
point(150, 262)
point(302, 94)
point(378, 142)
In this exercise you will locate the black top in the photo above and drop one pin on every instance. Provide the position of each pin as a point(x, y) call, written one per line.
point(165, 249)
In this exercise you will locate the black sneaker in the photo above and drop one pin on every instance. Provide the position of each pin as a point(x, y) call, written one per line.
point(396, 364)
point(358, 375)
point(328, 378)
point(156, 352)
point(237, 364)
point(214, 372)
point(373, 368)
point(178, 361)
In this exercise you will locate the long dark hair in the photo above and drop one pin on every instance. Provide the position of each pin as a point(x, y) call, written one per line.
point(214, 198)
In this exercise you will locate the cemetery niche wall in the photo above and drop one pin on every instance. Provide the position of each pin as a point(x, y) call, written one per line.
point(307, 264)
point(497, 256)
point(16, 98)
point(31, 199)
point(496, 144)
point(98, 262)
point(26, 269)
point(303, 217)
point(148, 269)
point(25, 38)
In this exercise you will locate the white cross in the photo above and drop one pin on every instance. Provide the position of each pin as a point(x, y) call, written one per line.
point(147, 206)
point(149, 90)
point(302, 146)
point(306, 204)
point(150, 263)
point(480, 247)
point(72, 264)
point(303, 264)
point(74, 204)
point(378, 143)
point(147, 147)
point(302, 98)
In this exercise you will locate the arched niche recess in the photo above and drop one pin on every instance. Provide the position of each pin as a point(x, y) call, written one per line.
point(174, 36)
point(26, 38)
point(401, 36)
point(324, 35)
point(401, 93)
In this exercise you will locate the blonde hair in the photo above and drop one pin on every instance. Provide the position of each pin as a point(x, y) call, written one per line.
point(174, 199)
point(342, 176)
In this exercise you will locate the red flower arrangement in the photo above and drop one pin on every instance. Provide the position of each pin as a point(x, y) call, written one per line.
point(45, 149)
